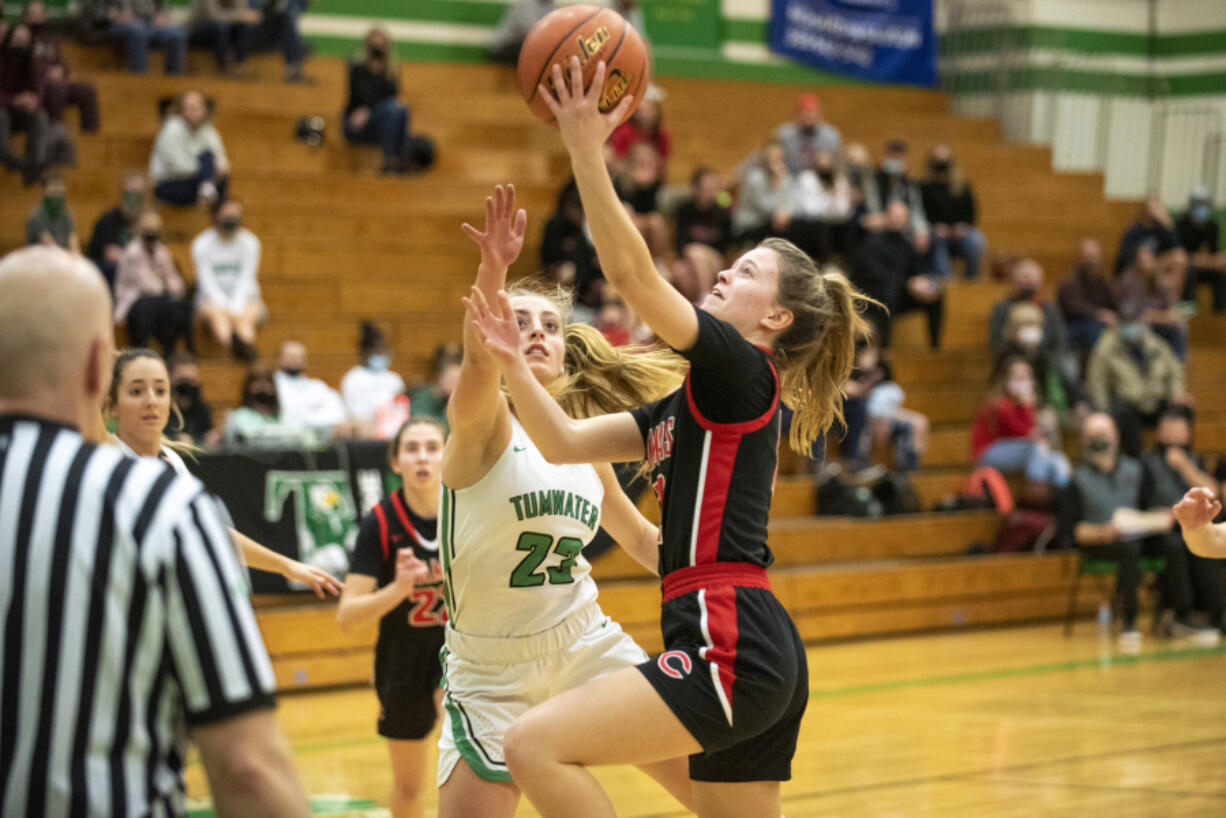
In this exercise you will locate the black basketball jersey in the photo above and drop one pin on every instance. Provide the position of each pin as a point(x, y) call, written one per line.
point(412, 632)
point(712, 446)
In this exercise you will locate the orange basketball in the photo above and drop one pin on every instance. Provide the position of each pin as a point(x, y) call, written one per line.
point(592, 34)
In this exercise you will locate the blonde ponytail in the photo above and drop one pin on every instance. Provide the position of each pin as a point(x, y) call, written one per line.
point(816, 354)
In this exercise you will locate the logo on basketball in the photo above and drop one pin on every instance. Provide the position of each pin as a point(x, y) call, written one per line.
point(675, 664)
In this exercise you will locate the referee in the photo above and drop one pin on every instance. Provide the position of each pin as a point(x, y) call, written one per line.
point(124, 622)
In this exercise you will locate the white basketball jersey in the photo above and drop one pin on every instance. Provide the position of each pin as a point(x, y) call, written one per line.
point(511, 543)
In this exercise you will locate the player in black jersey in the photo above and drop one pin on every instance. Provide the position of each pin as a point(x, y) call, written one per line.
point(395, 577)
point(731, 688)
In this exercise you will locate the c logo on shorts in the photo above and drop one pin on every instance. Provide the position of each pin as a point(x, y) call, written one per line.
point(678, 669)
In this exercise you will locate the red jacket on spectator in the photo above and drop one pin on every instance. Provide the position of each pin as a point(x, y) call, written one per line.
point(1000, 419)
point(627, 134)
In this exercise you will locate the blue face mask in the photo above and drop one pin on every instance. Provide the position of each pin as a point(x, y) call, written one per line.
point(1131, 332)
point(1201, 213)
point(379, 363)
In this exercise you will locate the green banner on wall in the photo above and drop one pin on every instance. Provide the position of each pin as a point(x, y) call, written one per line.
point(683, 23)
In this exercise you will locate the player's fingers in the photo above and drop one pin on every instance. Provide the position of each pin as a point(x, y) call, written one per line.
point(500, 202)
point(576, 77)
point(559, 85)
point(510, 191)
point(550, 102)
point(521, 222)
point(472, 232)
point(490, 212)
point(504, 302)
point(623, 108)
point(597, 87)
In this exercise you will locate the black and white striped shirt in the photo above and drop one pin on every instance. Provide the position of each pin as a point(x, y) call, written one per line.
point(124, 621)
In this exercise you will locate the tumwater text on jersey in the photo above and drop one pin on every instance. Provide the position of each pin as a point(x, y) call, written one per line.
point(556, 502)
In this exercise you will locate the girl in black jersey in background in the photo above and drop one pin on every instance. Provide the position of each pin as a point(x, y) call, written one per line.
point(732, 685)
point(395, 578)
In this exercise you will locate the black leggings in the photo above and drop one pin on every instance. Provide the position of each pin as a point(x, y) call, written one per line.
point(163, 318)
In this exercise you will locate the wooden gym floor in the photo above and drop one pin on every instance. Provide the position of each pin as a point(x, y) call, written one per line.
point(1016, 722)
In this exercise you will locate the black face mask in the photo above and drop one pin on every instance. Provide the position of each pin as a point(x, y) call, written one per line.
point(1098, 446)
point(229, 225)
point(188, 391)
point(1026, 293)
point(938, 166)
point(151, 239)
point(292, 371)
point(377, 53)
point(267, 400)
point(826, 176)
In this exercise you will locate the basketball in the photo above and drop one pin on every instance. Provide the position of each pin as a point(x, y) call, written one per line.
point(592, 34)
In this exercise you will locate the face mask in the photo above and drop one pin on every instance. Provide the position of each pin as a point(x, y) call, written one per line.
point(53, 206)
point(292, 371)
point(151, 238)
point(856, 176)
point(1098, 447)
point(1030, 336)
point(894, 167)
point(1021, 388)
point(1201, 213)
point(187, 390)
point(1026, 293)
point(1163, 448)
point(938, 166)
point(377, 53)
point(378, 363)
point(826, 176)
point(1131, 332)
point(229, 225)
point(267, 400)
point(132, 202)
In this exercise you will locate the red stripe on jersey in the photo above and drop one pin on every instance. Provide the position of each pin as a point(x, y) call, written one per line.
point(742, 428)
point(398, 504)
point(722, 631)
point(382, 518)
point(720, 458)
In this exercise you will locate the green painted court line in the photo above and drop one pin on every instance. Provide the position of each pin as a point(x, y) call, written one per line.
point(1115, 660)
point(320, 805)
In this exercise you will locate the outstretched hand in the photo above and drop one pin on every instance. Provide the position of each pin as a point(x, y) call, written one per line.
point(317, 579)
point(496, 325)
point(503, 237)
point(580, 120)
point(1197, 508)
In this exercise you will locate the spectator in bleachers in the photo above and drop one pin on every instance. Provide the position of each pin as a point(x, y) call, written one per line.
point(4, 23)
point(1133, 374)
point(1106, 486)
point(139, 25)
point(21, 107)
point(1143, 283)
point(1171, 469)
point(764, 200)
point(821, 208)
point(1087, 300)
point(1154, 226)
point(374, 114)
point(904, 431)
point(863, 180)
point(51, 222)
point(949, 204)
point(194, 411)
point(278, 28)
point(307, 404)
point(257, 421)
point(227, 260)
point(431, 399)
point(894, 185)
point(371, 388)
point(228, 27)
point(639, 189)
point(807, 135)
point(1008, 435)
point(1026, 285)
point(1199, 235)
point(189, 162)
point(1057, 382)
point(646, 124)
point(618, 323)
point(58, 86)
point(887, 267)
point(704, 234)
point(518, 19)
point(567, 254)
point(115, 228)
point(149, 292)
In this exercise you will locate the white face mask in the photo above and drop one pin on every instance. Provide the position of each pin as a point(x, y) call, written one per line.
point(1030, 336)
point(1021, 388)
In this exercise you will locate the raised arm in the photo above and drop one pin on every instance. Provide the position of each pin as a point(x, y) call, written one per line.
point(262, 558)
point(478, 415)
point(624, 256)
point(560, 438)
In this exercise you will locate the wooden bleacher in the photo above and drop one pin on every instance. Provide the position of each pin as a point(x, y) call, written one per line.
point(341, 244)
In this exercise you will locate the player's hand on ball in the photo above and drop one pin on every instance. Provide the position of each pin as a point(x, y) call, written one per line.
point(1197, 508)
point(503, 237)
point(580, 121)
point(410, 571)
point(499, 330)
point(317, 579)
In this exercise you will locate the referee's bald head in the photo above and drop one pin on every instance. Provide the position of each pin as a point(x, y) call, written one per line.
point(56, 338)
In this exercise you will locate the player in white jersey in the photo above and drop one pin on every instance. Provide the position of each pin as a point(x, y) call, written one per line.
point(524, 623)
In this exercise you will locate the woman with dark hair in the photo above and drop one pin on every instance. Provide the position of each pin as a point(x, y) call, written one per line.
point(150, 295)
point(21, 108)
point(949, 204)
point(139, 403)
point(257, 421)
point(374, 114)
point(1007, 434)
point(370, 389)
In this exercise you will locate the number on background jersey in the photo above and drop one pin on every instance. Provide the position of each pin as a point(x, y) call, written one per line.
point(428, 610)
point(538, 545)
